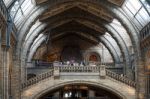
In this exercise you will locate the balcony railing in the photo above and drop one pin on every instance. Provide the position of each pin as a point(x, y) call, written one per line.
point(145, 32)
point(39, 64)
point(37, 79)
point(78, 69)
point(121, 78)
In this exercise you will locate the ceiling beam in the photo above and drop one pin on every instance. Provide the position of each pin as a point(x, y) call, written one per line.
point(99, 12)
point(117, 2)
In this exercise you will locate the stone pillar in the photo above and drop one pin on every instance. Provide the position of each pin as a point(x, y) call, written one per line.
point(5, 71)
point(56, 95)
point(129, 73)
point(56, 72)
point(1, 71)
point(102, 71)
point(91, 94)
point(140, 80)
point(16, 77)
point(23, 70)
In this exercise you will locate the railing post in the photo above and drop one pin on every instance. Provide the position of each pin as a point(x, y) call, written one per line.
point(56, 72)
point(102, 71)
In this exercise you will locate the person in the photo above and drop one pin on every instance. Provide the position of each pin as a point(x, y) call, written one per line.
point(72, 62)
point(81, 64)
point(68, 63)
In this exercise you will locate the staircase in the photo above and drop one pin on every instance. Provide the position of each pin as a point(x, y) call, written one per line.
point(47, 81)
point(120, 78)
point(37, 79)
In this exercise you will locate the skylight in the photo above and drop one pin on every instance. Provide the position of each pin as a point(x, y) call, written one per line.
point(137, 13)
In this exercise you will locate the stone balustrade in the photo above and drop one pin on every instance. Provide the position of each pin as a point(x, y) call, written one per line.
point(121, 78)
point(145, 32)
point(100, 70)
point(37, 79)
point(39, 64)
point(78, 68)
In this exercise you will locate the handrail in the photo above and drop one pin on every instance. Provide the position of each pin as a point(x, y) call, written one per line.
point(37, 79)
point(120, 78)
point(56, 63)
point(84, 69)
point(77, 68)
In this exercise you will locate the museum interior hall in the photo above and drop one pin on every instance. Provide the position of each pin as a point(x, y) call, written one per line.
point(74, 49)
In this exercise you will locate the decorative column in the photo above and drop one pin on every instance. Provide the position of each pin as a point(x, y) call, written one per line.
point(56, 72)
point(140, 79)
point(1, 70)
point(23, 70)
point(102, 71)
point(56, 95)
point(141, 82)
point(5, 71)
point(91, 94)
point(16, 78)
point(4, 66)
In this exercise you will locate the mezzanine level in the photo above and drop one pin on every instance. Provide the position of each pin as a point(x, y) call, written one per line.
point(60, 76)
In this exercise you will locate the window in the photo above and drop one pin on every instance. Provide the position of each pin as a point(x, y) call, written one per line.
point(20, 10)
point(137, 13)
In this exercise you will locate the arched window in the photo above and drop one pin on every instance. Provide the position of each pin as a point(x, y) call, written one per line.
point(93, 58)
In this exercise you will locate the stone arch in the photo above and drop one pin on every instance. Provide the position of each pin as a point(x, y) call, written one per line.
point(107, 44)
point(24, 31)
point(25, 52)
point(94, 55)
point(115, 92)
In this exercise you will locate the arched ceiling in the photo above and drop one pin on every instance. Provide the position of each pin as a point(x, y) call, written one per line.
point(107, 21)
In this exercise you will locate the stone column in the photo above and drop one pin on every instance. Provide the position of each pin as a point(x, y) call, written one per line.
point(140, 80)
point(5, 71)
point(102, 71)
point(91, 94)
point(56, 95)
point(129, 73)
point(16, 77)
point(23, 70)
point(4, 64)
point(56, 72)
point(1, 71)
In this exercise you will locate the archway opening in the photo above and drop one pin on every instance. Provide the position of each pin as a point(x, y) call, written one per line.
point(94, 59)
point(71, 53)
point(79, 91)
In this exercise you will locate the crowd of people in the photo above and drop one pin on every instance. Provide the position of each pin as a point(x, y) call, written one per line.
point(68, 63)
point(65, 63)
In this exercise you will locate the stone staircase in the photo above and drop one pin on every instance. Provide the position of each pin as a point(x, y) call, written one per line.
point(60, 76)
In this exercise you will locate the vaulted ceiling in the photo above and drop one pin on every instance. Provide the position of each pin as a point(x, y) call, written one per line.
point(101, 21)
